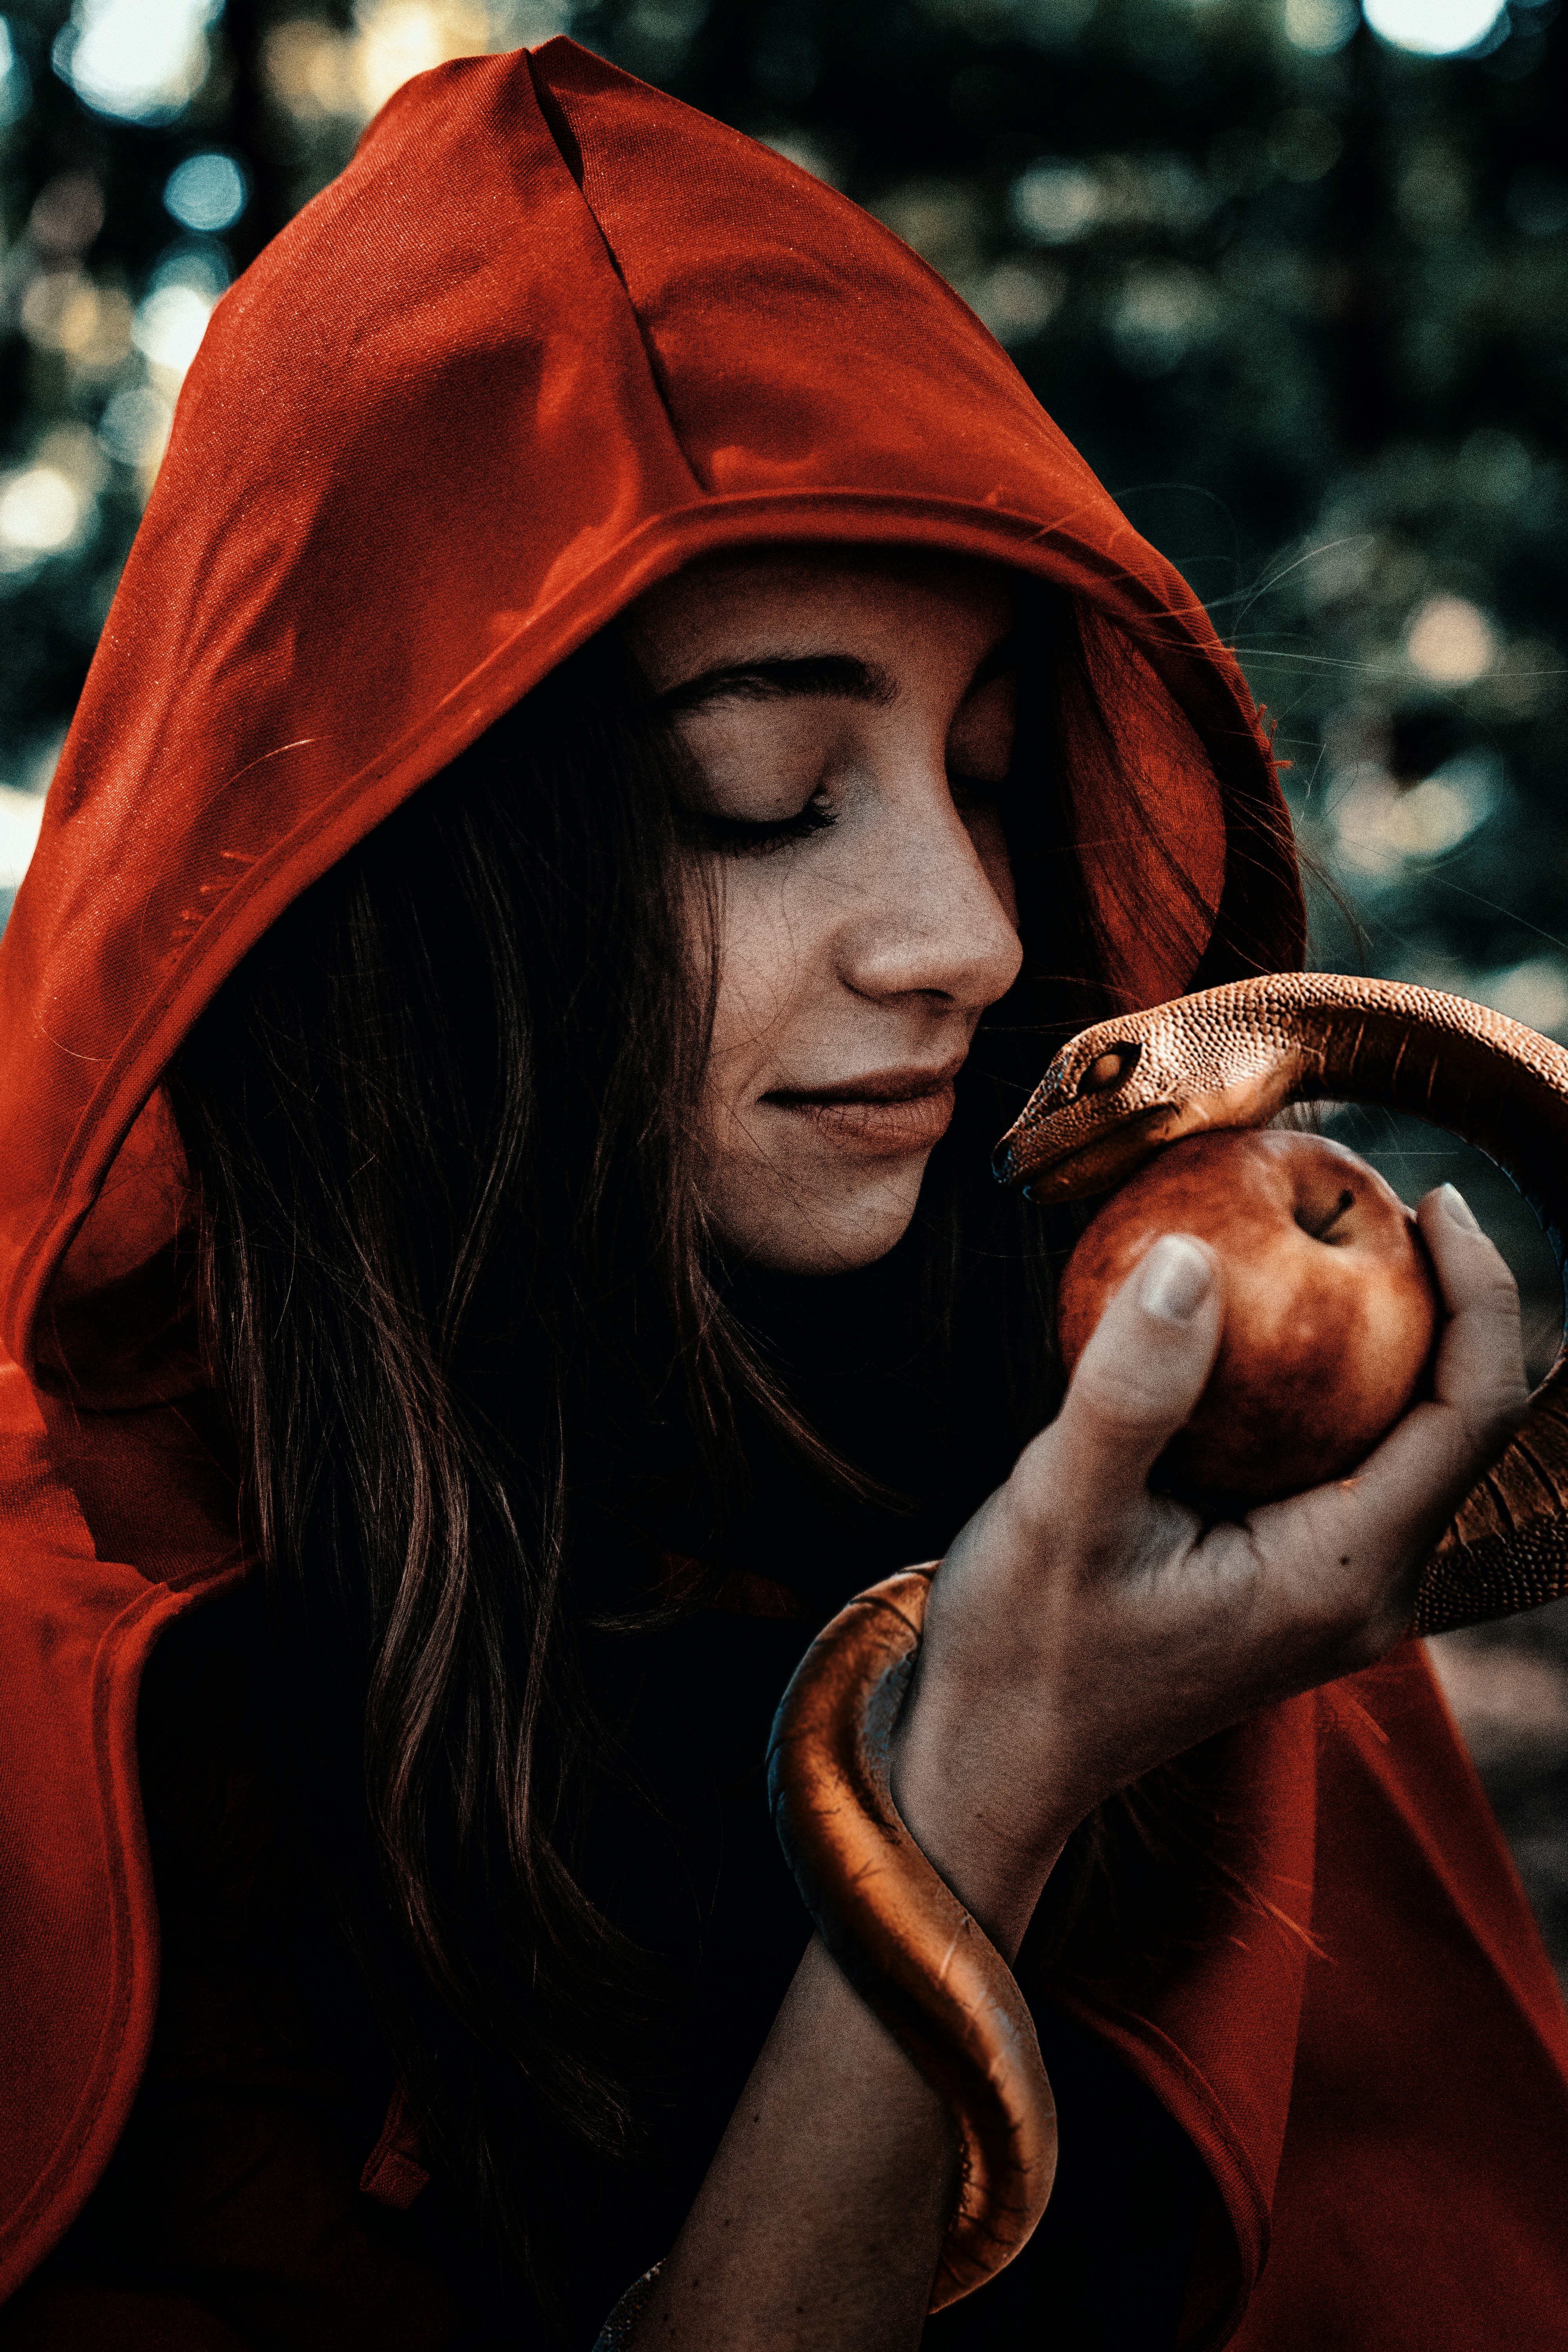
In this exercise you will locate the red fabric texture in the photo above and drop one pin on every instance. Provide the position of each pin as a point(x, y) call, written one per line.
point(231, 2211)
point(393, 2174)
point(1372, 2053)
point(550, 337)
point(1419, 2194)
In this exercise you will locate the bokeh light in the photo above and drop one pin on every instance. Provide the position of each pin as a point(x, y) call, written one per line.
point(65, 311)
point(40, 512)
point(1321, 26)
point(135, 425)
point(1056, 203)
point(319, 74)
point(140, 59)
point(169, 327)
point(1433, 28)
point(21, 816)
point(207, 193)
point(16, 88)
point(1534, 991)
point(1381, 826)
point(1163, 308)
point(1450, 642)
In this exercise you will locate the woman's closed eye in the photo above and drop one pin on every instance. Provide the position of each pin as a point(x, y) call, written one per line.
point(746, 835)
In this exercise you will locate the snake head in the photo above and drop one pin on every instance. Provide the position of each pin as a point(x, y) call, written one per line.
point(1118, 1092)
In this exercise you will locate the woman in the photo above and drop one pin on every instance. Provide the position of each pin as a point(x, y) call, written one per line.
point(489, 1268)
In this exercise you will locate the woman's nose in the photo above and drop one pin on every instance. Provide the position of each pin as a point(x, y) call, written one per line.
point(930, 920)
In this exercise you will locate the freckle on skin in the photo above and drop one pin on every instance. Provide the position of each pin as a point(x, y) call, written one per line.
point(1344, 1559)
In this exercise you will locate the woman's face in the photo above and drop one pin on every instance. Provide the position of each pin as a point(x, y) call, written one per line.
point(847, 721)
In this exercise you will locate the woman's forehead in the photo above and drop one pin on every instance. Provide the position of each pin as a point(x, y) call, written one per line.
point(752, 593)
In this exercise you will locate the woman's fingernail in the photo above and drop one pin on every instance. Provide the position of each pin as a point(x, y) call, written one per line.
point(1177, 1279)
point(1458, 1208)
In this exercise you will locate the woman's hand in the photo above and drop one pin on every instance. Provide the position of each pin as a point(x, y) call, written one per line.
point(1081, 1630)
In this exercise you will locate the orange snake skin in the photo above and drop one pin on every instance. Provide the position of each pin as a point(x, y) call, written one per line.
point(1228, 1056)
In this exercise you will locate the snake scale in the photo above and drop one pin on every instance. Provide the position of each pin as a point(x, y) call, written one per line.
point(1114, 1096)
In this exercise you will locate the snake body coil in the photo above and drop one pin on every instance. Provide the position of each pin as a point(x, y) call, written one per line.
point(899, 1933)
point(1113, 1097)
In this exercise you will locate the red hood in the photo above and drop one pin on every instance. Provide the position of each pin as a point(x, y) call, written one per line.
point(549, 337)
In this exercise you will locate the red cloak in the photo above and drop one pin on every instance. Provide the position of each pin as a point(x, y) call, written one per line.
point(551, 336)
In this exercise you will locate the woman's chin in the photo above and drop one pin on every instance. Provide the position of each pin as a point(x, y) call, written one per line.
point(819, 1220)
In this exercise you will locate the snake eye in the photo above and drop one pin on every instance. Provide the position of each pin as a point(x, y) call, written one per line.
point(1107, 1070)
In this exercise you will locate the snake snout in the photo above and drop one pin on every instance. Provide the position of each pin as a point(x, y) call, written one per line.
point(1077, 1080)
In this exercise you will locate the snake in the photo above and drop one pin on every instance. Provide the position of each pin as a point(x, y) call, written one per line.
point(1117, 1094)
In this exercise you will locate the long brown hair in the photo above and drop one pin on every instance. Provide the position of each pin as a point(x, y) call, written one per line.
point(460, 1295)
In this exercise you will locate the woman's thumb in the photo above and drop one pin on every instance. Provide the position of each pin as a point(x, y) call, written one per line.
point(1142, 1371)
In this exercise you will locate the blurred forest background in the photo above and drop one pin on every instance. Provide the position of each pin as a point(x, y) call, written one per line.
point(1293, 274)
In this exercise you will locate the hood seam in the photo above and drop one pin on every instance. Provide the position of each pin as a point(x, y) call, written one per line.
point(553, 116)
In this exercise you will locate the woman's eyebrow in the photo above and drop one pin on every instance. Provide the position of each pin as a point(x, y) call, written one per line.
point(777, 677)
point(785, 677)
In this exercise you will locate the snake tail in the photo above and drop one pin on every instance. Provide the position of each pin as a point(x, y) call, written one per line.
point(902, 1935)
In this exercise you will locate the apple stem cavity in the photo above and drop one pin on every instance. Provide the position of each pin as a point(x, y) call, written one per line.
point(1324, 1232)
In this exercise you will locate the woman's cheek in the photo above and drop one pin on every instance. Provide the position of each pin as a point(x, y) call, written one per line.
point(758, 967)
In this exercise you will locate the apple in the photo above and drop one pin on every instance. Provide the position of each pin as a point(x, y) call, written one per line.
point(1331, 1309)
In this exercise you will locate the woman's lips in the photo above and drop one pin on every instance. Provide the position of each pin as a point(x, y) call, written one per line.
point(886, 1115)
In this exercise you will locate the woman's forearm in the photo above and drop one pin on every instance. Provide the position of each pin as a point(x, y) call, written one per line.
point(818, 2226)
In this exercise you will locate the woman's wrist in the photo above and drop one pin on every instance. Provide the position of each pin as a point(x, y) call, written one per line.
point(976, 1772)
point(989, 1827)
